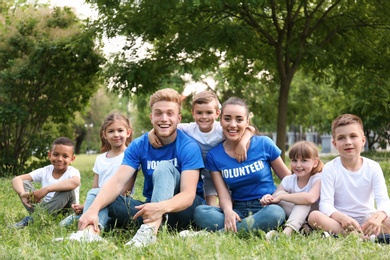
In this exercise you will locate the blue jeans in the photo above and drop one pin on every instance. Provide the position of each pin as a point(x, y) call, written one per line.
point(253, 216)
point(166, 184)
point(103, 213)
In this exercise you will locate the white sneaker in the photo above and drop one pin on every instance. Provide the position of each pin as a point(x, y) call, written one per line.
point(190, 233)
point(144, 237)
point(271, 235)
point(86, 235)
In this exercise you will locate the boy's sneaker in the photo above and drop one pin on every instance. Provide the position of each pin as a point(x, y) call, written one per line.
point(24, 222)
point(271, 235)
point(328, 234)
point(144, 237)
point(382, 239)
point(69, 220)
point(190, 233)
point(87, 235)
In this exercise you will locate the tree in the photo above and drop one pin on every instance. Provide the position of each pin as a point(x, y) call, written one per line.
point(90, 120)
point(49, 67)
point(244, 38)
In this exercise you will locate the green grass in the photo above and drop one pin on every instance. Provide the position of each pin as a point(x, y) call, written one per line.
point(36, 241)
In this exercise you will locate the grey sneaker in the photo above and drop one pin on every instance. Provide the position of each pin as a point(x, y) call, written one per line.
point(144, 237)
point(86, 235)
point(24, 222)
point(69, 220)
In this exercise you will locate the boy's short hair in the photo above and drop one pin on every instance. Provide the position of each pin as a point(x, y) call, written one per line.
point(64, 141)
point(166, 94)
point(206, 97)
point(346, 119)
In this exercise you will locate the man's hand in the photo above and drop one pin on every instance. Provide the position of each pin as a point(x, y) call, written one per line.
point(150, 212)
point(89, 219)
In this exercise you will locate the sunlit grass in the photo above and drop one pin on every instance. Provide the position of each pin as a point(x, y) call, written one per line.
point(37, 240)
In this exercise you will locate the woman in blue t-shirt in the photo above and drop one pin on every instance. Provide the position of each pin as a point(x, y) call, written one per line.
point(241, 185)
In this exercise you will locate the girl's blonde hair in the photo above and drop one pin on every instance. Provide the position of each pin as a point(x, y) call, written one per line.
point(108, 120)
point(306, 150)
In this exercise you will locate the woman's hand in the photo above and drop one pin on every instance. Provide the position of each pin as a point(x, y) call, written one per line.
point(231, 218)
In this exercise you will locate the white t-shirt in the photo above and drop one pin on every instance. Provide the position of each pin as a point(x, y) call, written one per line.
point(45, 177)
point(206, 141)
point(353, 193)
point(290, 183)
point(106, 167)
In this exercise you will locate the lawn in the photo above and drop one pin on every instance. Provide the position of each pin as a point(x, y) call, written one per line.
point(37, 240)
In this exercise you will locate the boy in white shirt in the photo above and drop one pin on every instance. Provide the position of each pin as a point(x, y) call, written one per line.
point(350, 186)
point(60, 182)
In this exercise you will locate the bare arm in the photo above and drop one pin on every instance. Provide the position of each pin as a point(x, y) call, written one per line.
point(280, 168)
point(302, 198)
point(95, 183)
point(107, 194)
point(17, 185)
point(128, 188)
point(225, 202)
point(64, 185)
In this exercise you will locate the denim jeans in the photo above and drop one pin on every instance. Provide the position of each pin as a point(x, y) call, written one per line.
point(253, 216)
point(166, 184)
point(103, 213)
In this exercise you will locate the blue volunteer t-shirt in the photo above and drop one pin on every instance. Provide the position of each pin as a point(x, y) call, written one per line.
point(251, 179)
point(184, 153)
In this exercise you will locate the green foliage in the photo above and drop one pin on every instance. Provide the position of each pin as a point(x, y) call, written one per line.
point(239, 40)
point(48, 70)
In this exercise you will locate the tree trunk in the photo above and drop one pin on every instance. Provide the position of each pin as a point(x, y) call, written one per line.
point(282, 116)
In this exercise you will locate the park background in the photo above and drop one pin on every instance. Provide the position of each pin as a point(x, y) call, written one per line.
point(299, 64)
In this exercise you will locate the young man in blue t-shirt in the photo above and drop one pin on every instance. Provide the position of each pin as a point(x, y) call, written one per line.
point(172, 185)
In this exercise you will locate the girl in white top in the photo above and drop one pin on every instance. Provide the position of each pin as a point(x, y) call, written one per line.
point(115, 135)
point(298, 194)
